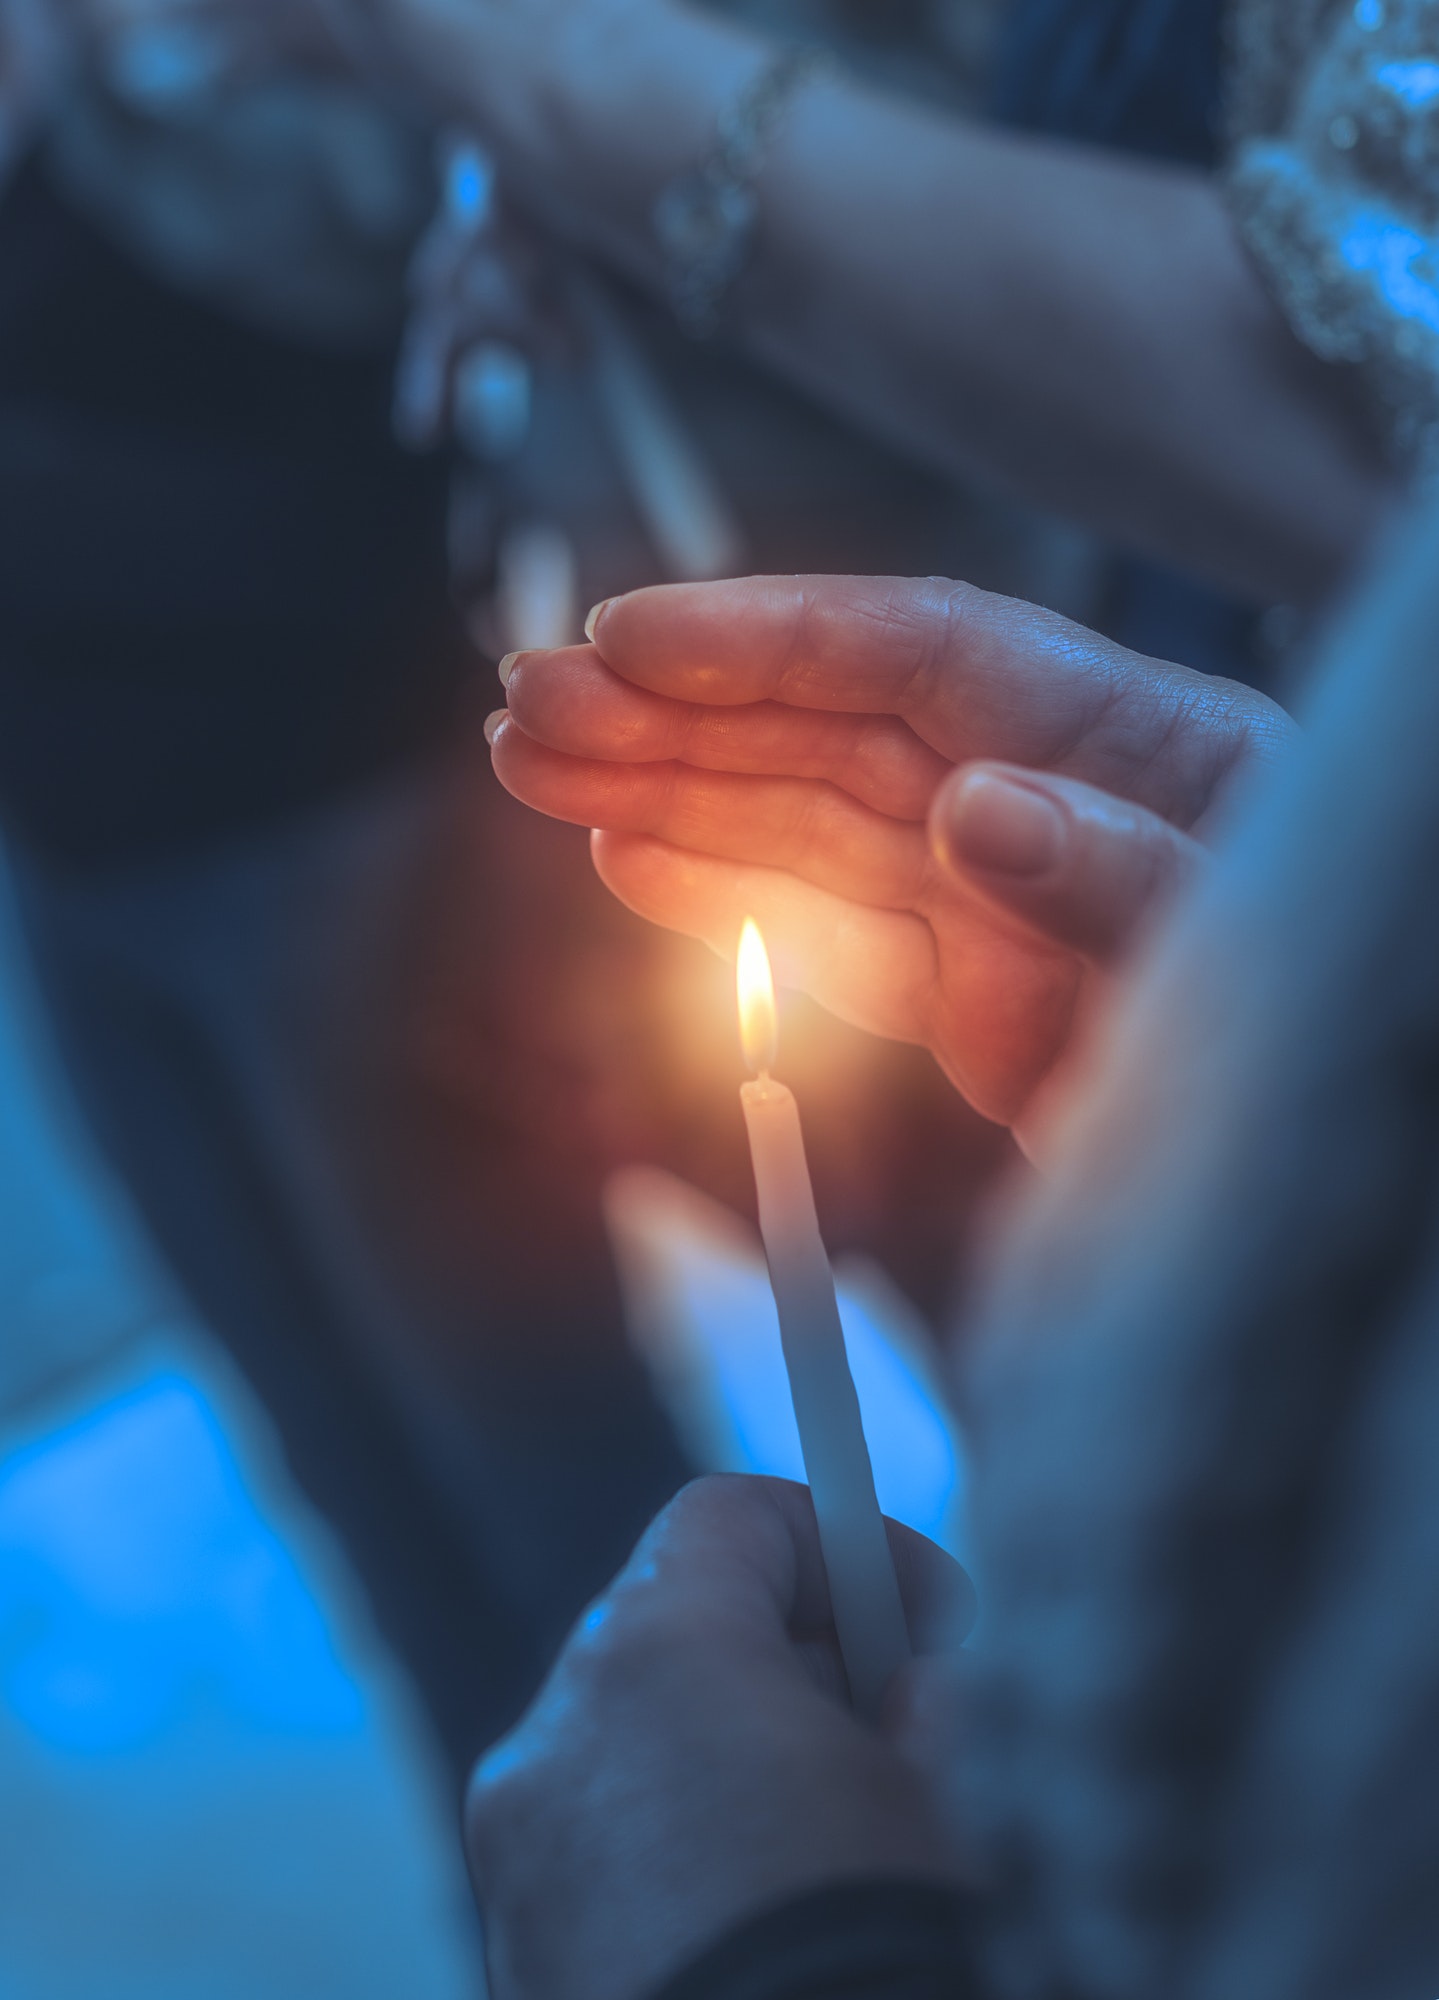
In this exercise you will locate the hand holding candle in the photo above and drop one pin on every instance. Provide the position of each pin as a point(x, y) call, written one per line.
point(864, 1592)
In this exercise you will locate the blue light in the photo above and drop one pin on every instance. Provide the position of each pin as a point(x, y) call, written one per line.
point(140, 1587)
point(1400, 263)
point(702, 1313)
point(1413, 83)
point(469, 187)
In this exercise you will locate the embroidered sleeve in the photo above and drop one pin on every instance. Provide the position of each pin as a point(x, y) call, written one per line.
point(1333, 178)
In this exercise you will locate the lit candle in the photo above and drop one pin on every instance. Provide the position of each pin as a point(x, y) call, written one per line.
point(863, 1588)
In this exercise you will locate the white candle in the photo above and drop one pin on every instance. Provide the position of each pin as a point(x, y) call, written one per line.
point(863, 1588)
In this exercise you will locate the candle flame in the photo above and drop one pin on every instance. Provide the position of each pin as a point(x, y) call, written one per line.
point(758, 1021)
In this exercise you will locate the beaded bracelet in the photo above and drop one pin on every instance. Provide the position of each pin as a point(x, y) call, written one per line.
point(707, 219)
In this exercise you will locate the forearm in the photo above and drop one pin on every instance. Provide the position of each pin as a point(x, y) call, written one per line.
point(1083, 329)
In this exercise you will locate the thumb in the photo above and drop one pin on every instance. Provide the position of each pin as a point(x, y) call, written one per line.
point(929, 1721)
point(1076, 864)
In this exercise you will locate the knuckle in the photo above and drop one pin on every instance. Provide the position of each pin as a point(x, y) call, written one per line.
point(811, 828)
point(929, 624)
point(497, 1802)
point(711, 1496)
point(913, 623)
point(742, 1509)
point(616, 1639)
point(889, 767)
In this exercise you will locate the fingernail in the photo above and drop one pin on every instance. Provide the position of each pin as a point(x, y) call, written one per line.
point(594, 619)
point(1002, 826)
point(507, 667)
point(493, 721)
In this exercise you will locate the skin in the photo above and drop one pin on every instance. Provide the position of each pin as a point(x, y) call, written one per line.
point(40, 40)
point(1085, 329)
point(950, 813)
point(693, 1758)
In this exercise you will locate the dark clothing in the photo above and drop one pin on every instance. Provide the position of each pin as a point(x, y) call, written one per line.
point(1139, 75)
point(215, 555)
point(225, 626)
point(1136, 76)
point(853, 1941)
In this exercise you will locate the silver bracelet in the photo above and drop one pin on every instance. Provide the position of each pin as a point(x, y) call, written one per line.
point(707, 219)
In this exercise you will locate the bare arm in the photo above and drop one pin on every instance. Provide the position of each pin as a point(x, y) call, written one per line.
point(1082, 328)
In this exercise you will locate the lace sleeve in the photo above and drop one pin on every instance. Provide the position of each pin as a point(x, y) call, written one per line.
point(1333, 178)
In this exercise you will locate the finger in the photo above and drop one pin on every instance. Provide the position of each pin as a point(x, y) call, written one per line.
point(490, 302)
point(993, 1022)
point(928, 1719)
point(571, 701)
point(748, 1549)
point(1080, 867)
point(876, 969)
point(973, 674)
point(925, 1706)
point(814, 829)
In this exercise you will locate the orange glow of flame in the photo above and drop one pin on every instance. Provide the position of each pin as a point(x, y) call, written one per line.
point(758, 1021)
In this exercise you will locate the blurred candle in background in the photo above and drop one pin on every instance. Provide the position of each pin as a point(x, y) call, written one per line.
point(864, 1591)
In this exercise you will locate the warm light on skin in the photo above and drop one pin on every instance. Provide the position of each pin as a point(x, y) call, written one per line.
point(758, 1021)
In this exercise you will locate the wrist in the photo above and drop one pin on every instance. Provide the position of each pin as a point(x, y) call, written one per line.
point(629, 97)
